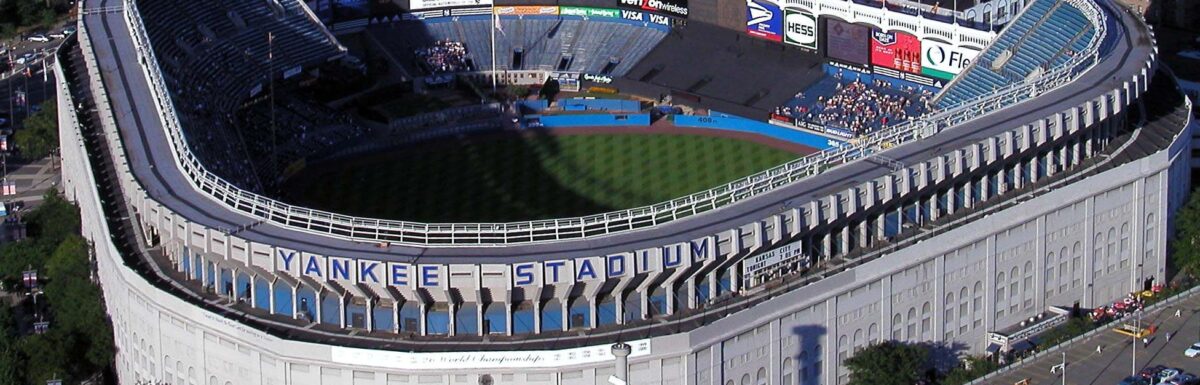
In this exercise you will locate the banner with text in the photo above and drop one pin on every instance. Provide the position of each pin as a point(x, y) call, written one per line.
point(800, 28)
point(417, 5)
point(678, 8)
point(522, 10)
point(943, 60)
point(589, 12)
point(764, 20)
point(896, 50)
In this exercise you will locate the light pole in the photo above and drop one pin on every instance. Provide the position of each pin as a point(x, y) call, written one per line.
point(1064, 367)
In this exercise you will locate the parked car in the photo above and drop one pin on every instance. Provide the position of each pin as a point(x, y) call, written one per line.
point(69, 30)
point(38, 38)
point(57, 35)
point(1185, 379)
point(1151, 372)
point(1167, 374)
point(1192, 351)
point(1134, 380)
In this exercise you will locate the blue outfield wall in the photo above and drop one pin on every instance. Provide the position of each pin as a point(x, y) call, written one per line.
point(732, 123)
point(577, 104)
point(564, 121)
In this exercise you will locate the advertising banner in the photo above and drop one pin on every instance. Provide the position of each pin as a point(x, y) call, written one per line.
point(943, 60)
point(522, 10)
point(589, 12)
point(896, 50)
point(677, 8)
point(764, 20)
point(847, 42)
point(800, 28)
point(417, 5)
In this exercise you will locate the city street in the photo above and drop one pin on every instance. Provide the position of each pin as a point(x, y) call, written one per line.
point(1085, 366)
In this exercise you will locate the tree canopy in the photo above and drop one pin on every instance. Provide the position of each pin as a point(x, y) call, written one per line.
point(39, 134)
point(79, 342)
point(19, 15)
point(888, 363)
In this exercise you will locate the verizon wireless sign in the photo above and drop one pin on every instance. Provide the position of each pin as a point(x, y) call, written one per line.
point(671, 7)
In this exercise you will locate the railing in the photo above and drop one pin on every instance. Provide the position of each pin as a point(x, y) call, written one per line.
point(500, 234)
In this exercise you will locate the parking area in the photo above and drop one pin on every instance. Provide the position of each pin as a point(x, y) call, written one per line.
point(1114, 361)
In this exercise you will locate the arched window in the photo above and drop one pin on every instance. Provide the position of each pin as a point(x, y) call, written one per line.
point(897, 327)
point(1110, 257)
point(948, 317)
point(858, 340)
point(842, 346)
point(912, 324)
point(1049, 279)
point(1098, 254)
point(977, 305)
point(746, 379)
point(1077, 264)
point(1125, 251)
point(786, 368)
point(761, 377)
point(872, 333)
point(926, 321)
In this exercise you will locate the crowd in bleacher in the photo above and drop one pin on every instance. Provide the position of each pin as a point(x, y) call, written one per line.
point(444, 56)
point(858, 106)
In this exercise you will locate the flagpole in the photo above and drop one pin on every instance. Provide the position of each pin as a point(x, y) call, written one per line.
point(495, 19)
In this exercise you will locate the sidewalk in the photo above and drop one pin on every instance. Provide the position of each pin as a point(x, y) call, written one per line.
point(1085, 366)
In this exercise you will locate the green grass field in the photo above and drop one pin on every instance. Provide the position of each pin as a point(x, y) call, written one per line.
point(514, 178)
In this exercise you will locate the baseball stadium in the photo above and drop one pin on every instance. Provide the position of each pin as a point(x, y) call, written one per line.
point(608, 191)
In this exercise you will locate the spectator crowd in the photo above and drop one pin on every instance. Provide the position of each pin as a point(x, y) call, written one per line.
point(444, 56)
point(857, 106)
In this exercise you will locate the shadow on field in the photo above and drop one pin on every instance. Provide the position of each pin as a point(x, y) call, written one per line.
point(491, 177)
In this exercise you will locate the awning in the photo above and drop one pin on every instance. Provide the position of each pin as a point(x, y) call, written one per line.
point(1022, 346)
point(993, 348)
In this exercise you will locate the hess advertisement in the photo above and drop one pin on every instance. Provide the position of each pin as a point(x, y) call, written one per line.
point(800, 28)
point(943, 61)
point(896, 50)
point(764, 20)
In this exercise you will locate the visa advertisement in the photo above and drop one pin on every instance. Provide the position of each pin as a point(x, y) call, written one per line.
point(896, 50)
point(764, 20)
point(800, 28)
point(944, 60)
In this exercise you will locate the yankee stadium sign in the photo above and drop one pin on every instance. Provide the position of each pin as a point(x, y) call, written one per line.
point(562, 271)
point(672, 7)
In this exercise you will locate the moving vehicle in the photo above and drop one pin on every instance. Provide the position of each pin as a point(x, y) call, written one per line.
point(38, 38)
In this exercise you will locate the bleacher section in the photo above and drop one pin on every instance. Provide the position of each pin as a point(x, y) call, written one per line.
point(215, 55)
point(724, 70)
point(1038, 40)
point(587, 45)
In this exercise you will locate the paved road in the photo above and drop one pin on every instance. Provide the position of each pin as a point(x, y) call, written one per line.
point(1086, 367)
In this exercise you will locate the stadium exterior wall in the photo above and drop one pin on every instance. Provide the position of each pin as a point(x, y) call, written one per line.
point(161, 337)
point(809, 330)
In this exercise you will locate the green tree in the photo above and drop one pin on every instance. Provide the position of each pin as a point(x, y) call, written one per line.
point(39, 134)
point(1185, 246)
point(970, 368)
point(888, 363)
